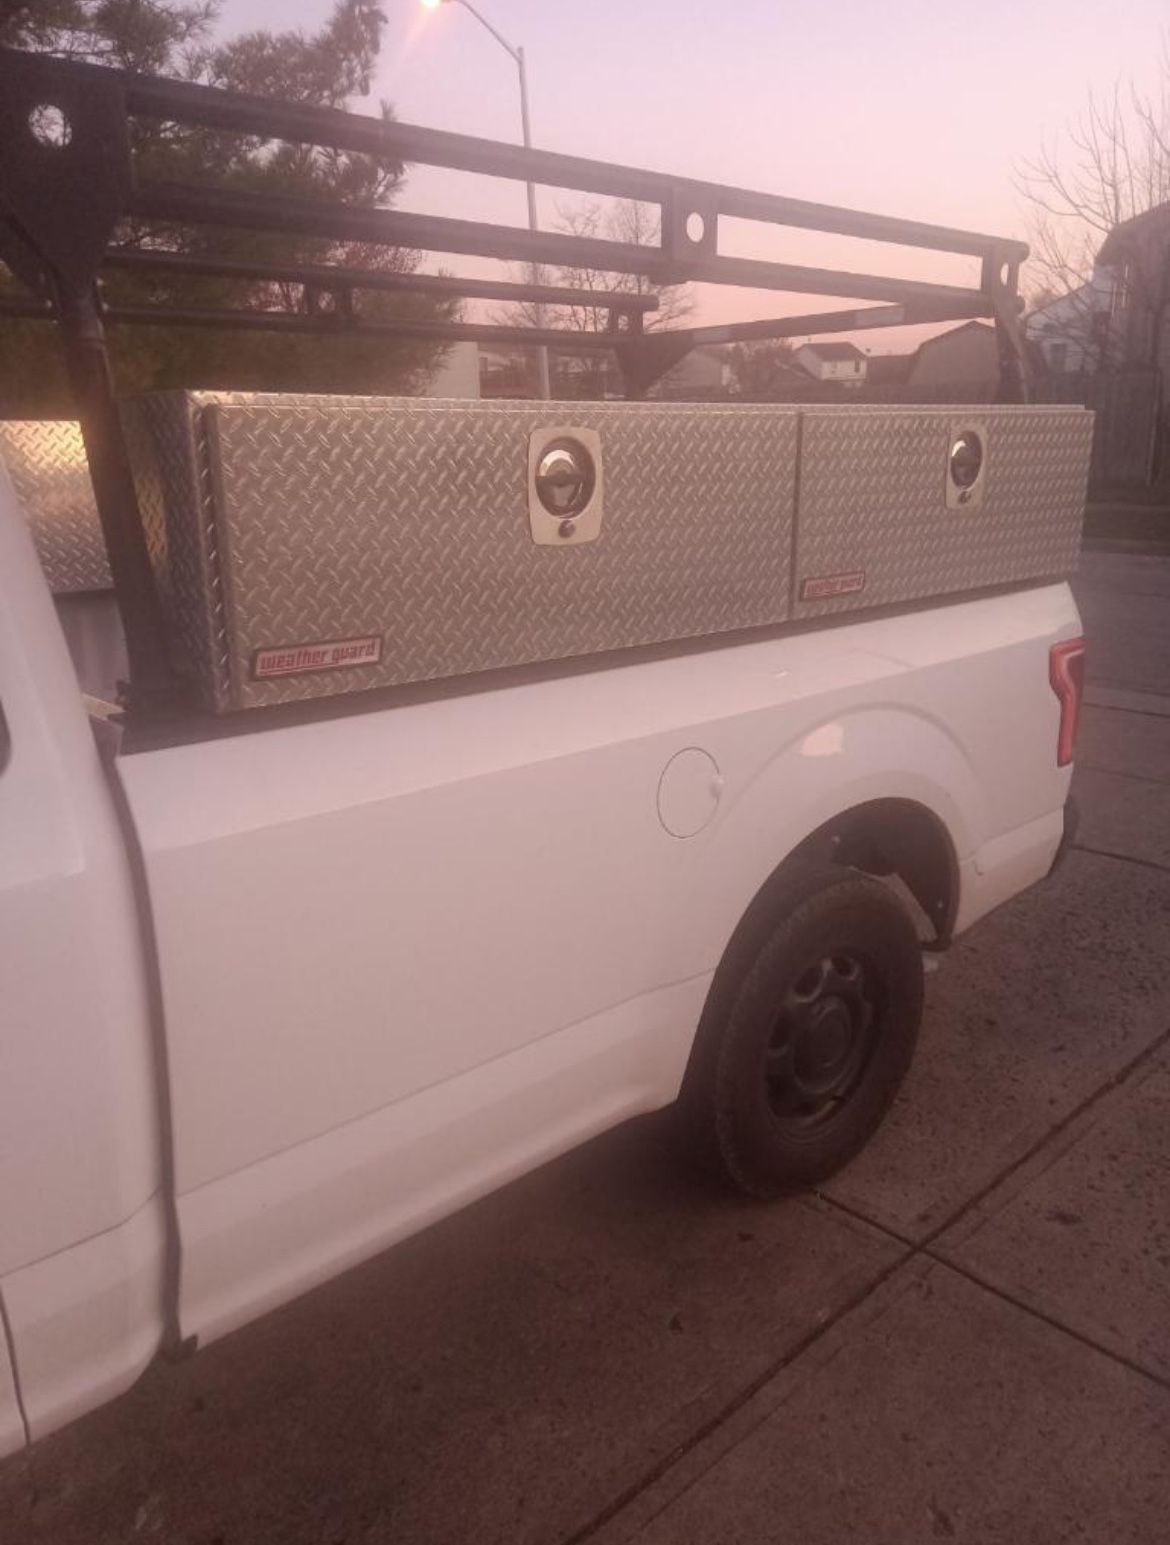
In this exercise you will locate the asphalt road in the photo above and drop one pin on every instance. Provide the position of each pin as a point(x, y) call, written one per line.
point(966, 1336)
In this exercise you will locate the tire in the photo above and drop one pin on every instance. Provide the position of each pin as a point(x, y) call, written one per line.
point(808, 1031)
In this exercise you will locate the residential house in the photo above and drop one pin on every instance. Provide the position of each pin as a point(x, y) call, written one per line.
point(967, 355)
point(1136, 255)
point(1133, 418)
point(887, 369)
point(833, 361)
point(702, 375)
point(1069, 335)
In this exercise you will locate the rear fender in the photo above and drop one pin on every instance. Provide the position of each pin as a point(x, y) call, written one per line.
point(771, 808)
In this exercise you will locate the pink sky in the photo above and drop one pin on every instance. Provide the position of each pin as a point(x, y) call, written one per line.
point(918, 108)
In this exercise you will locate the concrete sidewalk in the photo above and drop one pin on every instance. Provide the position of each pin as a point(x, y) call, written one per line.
point(966, 1336)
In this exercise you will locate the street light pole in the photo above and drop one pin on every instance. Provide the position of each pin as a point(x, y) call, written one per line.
point(517, 56)
point(533, 223)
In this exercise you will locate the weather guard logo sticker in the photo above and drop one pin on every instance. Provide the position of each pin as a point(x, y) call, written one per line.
point(333, 655)
point(827, 586)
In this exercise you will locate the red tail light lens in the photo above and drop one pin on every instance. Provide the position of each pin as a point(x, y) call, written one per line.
point(1066, 672)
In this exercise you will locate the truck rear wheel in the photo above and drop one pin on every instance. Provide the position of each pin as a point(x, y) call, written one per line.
point(807, 1033)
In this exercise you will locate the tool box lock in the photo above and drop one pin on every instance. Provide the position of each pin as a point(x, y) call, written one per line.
point(966, 465)
point(564, 486)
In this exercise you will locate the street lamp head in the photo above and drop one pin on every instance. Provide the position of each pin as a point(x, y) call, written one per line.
point(430, 5)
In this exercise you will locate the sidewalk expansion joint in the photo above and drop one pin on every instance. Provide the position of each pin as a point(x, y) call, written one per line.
point(1045, 1318)
point(1114, 1081)
point(922, 1249)
point(1122, 858)
point(925, 1247)
point(741, 1398)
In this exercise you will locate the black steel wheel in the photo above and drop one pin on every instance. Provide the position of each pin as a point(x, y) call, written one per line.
point(808, 1031)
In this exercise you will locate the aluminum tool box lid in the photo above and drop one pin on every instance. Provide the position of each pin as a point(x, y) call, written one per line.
point(882, 521)
point(310, 545)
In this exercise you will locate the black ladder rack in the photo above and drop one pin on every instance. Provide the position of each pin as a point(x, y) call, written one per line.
point(61, 204)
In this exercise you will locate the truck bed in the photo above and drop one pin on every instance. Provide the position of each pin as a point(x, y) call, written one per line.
point(406, 954)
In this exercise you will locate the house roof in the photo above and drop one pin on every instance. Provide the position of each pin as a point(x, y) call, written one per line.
point(1061, 304)
point(953, 332)
point(1113, 248)
point(1094, 297)
point(836, 351)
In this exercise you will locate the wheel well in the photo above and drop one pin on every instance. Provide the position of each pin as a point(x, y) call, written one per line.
point(887, 838)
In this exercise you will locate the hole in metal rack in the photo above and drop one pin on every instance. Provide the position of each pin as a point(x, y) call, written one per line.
point(696, 227)
point(49, 125)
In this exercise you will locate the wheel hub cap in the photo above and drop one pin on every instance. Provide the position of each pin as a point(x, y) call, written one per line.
point(824, 1043)
point(822, 1038)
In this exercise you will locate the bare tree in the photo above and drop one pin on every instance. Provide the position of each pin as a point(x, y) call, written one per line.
point(1112, 165)
point(626, 221)
point(762, 367)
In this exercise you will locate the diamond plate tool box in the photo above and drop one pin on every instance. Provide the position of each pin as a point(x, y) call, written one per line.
point(887, 514)
point(314, 545)
point(307, 546)
point(47, 465)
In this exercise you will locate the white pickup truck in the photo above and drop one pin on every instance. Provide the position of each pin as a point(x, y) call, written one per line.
point(275, 1000)
point(529, 765)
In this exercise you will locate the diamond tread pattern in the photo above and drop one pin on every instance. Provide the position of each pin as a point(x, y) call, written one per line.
point(873, 499)
point(409, 520)
point(47, 465)
point(275, 521)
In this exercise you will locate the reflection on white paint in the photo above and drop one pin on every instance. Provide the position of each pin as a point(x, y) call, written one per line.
point(829, 740)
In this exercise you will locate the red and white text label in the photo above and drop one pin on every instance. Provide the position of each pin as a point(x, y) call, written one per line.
point(826, 586)
point(334, 655)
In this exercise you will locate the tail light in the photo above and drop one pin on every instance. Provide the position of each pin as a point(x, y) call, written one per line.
point(1066, 672)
